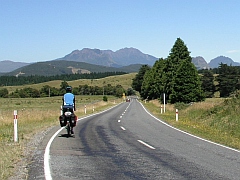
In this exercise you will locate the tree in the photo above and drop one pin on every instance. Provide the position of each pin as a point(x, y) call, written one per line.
point(119, 90)
point(152, 84)
point(179, 52)
point(138, 80)
point(130, 92)
point(147, 92)
point(208, 83)
point(54, 91)
point(186, 85)
point(63, 87)
point(159, 78)
point(45, 91)
point(228, 79)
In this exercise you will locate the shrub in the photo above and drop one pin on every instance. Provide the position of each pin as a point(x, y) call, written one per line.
point(105, 98)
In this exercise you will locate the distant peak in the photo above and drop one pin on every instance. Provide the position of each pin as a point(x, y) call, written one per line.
point(75, 51)
point(131, 49)
point(6, 61)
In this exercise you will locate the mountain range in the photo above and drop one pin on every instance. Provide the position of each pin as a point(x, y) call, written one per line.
point(8, 66)
point(122, 57)
point(95, 60)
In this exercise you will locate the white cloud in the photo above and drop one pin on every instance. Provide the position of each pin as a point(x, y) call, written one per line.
point(233, 51)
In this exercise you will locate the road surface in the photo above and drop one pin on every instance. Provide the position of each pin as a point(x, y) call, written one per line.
point(126, 142)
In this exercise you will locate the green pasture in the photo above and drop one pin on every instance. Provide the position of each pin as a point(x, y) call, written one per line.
point(124, 80)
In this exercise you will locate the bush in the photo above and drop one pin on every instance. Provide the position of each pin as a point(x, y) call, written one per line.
point(105, 98)
point(3, 92)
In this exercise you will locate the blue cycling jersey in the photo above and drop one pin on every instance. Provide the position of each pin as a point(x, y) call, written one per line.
point(68, 99)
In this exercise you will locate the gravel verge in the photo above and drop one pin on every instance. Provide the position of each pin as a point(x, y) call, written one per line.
point(21, 168)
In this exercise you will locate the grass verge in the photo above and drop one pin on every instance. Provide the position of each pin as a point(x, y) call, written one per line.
point(215, 119)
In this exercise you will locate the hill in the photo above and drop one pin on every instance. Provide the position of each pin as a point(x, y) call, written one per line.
point(8, 66)
point(58, 67)
point(200, 62)
point(214, 63)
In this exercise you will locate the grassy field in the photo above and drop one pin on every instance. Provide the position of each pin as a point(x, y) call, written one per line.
point(35, 115)
point(125, 80)
point(215, 119)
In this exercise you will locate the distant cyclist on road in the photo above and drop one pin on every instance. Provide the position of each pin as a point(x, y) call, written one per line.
point(69, 98)
point(69, 103)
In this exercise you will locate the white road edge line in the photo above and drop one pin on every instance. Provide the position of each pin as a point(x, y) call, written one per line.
point(189, 133)
point(151, 147)
point(47, 171)
point(123, 128)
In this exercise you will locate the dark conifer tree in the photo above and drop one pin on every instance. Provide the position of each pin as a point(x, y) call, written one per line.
point(186, 86)
point(208, 83)
point(153, 82)
point(147, 91)
point(138, 80)
point(228, 79)
point(179, 52)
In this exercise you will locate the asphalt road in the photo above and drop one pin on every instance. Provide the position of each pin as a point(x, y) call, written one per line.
point(128, 143)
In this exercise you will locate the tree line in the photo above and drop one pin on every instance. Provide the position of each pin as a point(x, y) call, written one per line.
point(177, 78)
point(47, 91)
point(34, 79)
point(226, 81)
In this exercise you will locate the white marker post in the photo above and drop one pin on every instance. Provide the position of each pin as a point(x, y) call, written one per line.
point(85, 109)
point(164, 103)
point(15, 126)
point(161, 109)
point(176, 114)
point(61, 110)
point(93, 109)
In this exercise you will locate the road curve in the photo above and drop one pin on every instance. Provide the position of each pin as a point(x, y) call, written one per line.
point(128, 143)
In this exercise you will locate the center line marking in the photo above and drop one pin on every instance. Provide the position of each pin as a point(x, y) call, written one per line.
point(123, 128)
point(151, 147)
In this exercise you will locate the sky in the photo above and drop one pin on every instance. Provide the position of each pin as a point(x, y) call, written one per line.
point(42, 30)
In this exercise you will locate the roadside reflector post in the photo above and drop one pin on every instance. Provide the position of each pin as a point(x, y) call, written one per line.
point(161, 109)
point(164, 102)
point(93, 108)
point(176, 114)
point(85, 109)
point(15, 126)
point(61, 110)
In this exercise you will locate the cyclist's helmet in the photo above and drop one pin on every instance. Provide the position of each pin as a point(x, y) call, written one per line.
point(69, 89)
